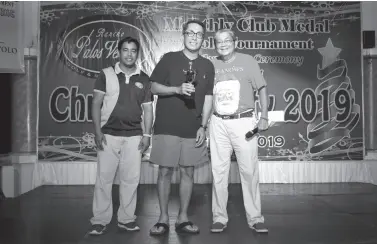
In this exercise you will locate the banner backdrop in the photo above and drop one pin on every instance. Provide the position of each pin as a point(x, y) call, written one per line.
point(309, 52)
point(11, 37)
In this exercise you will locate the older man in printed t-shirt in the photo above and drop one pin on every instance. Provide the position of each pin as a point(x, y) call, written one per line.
point(237, 76)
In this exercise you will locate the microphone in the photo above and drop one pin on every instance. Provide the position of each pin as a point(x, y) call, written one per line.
point(251, 133)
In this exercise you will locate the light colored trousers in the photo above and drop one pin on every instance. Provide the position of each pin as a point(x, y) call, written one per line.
point(226, 135)
point(122, 152)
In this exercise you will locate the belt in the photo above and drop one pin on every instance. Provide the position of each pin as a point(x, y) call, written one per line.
point(235, 116)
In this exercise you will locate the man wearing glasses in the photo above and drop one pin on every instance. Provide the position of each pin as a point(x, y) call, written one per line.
point(237, 77)
point(183, 81)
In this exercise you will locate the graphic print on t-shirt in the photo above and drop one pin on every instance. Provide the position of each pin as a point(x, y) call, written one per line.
point(227, 96)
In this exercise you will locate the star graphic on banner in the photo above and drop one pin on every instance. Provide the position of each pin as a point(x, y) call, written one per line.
point(329, 53)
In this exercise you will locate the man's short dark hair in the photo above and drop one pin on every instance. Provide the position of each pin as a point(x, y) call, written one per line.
point(194, 21)
point(128, 39)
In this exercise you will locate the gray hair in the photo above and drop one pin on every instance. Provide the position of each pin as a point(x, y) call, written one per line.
point(230, 32)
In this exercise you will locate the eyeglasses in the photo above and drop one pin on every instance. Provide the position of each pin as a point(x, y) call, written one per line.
point(199, 35)
point(227, 42)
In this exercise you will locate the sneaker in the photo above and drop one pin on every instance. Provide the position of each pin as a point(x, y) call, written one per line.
point(132, 226)
point(259, 228)
point(217, 227)
point(97, 230)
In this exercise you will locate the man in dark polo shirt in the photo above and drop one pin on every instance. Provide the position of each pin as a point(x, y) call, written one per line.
point(121, 94)
point(182, 113)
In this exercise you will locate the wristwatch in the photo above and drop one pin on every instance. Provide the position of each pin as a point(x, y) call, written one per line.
point(203, 126)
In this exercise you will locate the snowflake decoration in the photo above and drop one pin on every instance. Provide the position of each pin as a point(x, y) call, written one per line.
point(288, 9)
point(322, 4)
point(233, 8)
point(144, 11)
point(47, 17)
point(124, 11)
point(88, 138)
point(199, 6)
point(266, 4)
point(297, 14)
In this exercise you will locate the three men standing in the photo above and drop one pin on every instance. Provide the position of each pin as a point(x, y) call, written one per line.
point(190, 88)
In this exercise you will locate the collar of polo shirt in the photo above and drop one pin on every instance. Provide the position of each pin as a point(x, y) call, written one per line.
point(118, 70)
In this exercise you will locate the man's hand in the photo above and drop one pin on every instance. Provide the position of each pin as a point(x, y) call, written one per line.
point(200, 137)
point(100, 138)
point(144, 144)
point(263, 124)
point(186, 89)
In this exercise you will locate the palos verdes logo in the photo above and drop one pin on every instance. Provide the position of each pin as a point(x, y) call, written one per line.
point(91, 44)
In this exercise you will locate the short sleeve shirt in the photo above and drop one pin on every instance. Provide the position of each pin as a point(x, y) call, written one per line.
point(134, 90)
point(235, 83)
point(176, 115)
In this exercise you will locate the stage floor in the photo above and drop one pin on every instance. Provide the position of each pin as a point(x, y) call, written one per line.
point(295, 214)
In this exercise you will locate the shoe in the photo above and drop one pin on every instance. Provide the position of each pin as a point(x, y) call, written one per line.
point(182, 228)
point(164, 230)
point(217, 227)
point(132, 226)
point(259, 228)
point(97, 230)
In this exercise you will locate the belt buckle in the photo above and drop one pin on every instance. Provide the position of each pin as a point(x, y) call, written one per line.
point(226, 117)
